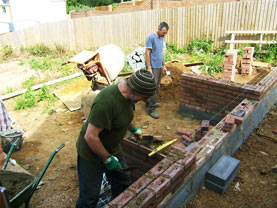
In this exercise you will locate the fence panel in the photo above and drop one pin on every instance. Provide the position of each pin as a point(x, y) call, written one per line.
point(130, 29)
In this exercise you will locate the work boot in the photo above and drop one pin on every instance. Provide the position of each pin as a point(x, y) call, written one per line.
point(157, 105)
point(154, 114)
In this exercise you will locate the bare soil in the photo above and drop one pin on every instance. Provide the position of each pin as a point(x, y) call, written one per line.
point(46, 127)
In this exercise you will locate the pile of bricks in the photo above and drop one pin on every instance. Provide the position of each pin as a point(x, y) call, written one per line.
point(202, 130)
point(247, 60)
point(230, 65)
point(186, 136)
point(228, 123)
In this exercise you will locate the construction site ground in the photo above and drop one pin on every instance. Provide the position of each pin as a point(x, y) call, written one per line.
point(49, 125)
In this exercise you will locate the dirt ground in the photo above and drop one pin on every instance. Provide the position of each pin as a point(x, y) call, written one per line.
point(46, 127)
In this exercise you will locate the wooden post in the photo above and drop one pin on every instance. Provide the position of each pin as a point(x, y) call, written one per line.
point(261, 39)
point(232, 39)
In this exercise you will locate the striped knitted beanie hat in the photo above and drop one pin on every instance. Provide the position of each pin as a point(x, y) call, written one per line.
point(142, 82)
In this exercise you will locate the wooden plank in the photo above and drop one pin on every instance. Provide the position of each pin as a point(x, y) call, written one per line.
point(251, 41)
point(252, 32)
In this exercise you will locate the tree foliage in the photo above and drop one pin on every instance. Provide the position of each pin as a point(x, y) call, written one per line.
point(89, 3)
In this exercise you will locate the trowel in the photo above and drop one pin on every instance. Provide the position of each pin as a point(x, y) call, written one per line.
point(149, 139)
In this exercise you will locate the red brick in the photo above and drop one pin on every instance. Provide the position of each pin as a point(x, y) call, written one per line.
point(179, 146)
point(159, 168)
point(238, 120)
point(229, 120)
point(186, 140)
point(188, 161)
point(144, 199)
point(122, 199)
point(159, 186)
point(174, 171)
point(140, 184)
point(184, 132)
point(205, 125)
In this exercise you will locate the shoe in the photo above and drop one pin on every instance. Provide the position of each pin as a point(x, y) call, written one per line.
point(157, 105)
point(154, 114)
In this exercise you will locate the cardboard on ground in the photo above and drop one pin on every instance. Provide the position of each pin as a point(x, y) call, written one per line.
point(71, 94)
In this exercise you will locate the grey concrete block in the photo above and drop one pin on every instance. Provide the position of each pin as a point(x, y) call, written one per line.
point(221, 172)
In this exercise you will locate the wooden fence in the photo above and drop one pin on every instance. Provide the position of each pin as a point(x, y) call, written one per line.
point(130, 29)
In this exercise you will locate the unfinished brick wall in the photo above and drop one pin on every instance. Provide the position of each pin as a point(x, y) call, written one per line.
point(210, 94)
point(230, 65)
point(182, 172)
point(247, 60)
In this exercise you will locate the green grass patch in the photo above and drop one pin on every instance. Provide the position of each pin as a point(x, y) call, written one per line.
point(31, 98)
point(6, 51)
point(29, 82)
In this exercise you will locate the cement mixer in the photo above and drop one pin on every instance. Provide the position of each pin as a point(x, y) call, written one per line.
point(101, 67)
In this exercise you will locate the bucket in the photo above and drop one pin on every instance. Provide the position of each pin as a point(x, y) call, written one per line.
point(8, 137)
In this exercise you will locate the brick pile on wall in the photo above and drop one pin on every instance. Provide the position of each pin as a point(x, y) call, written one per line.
point(211, 95)
point(247, 60)
point(230, 65)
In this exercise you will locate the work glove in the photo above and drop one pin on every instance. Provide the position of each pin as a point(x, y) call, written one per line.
point(112, 163)
point(137, 132)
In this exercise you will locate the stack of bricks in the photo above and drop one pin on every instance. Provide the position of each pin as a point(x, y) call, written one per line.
point(230, 65)
point(186, 136)
point(228, 123)
point(202, 130)
point(247, 60)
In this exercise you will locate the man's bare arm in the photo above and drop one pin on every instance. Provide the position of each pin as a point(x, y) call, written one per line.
point(94, 142)
point(147, 55)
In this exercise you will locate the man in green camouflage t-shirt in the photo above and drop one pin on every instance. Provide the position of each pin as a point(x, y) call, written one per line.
point(98, 145)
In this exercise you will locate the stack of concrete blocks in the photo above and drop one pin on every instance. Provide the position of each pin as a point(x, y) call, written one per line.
point(222, 174)
point(247, 60)
point(230, 65)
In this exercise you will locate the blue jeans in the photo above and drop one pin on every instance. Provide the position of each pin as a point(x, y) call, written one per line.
point(90, 178)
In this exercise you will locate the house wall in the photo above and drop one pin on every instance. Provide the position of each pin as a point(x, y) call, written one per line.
point(26, 13)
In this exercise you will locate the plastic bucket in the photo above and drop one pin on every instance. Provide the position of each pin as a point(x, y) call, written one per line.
point(8, 137)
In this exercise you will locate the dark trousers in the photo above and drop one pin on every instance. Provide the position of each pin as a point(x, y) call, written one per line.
point(90, 178)
point(157, 72)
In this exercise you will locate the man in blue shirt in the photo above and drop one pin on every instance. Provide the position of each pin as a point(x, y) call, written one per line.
point(155, 63)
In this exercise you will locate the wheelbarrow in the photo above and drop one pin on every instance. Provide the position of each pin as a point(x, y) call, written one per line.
point(30, 186)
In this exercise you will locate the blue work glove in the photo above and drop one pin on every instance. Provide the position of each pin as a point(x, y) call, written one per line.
point(112, 163)
point(137, 132)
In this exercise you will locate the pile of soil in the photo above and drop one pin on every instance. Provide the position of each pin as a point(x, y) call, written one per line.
point(171, 90)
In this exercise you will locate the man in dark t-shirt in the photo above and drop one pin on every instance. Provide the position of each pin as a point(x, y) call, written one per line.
point(98, 144)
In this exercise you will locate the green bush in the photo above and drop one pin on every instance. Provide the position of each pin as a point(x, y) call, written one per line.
point(199, 46)
point(44, 63)
point(6, 51)
point(268, 53)
point(39, 50)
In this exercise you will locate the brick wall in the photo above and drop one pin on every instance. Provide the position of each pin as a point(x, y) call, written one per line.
point(210, 94)
point(175, 178)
